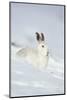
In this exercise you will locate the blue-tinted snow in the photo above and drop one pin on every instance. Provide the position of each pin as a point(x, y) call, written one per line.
point(26, 19)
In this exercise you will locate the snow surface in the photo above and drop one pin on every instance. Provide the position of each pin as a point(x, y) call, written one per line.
point(26, 80)
point(25, 21)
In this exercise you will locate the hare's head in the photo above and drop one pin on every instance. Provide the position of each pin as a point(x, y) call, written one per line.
point(42, 47)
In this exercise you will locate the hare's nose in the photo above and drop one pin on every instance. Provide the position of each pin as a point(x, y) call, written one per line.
point(43, 46)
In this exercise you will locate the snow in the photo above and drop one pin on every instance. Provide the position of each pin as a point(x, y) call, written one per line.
point(25, 21)
point(26, 80)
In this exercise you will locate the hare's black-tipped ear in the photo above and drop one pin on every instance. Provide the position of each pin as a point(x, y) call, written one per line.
point(42, 36)
point(37, 36)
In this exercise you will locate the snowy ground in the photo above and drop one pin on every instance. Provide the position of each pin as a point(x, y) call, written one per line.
point(26, 19)
point(26, 81)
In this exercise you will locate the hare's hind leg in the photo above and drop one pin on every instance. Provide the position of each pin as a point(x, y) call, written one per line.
point(21, 52)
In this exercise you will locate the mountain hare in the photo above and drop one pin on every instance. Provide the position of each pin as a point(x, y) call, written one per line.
point(38, 57)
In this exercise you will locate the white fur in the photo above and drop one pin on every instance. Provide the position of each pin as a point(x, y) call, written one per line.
point(38, 57)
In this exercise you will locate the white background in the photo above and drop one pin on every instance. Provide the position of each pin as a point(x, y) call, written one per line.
point(4, 49)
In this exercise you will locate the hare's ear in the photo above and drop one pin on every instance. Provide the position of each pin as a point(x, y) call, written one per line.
point(42, 36)
point(37, 36)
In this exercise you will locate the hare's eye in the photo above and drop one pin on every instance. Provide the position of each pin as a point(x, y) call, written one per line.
point(43, 46)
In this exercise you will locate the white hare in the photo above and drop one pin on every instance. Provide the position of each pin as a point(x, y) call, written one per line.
point(38, 57)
